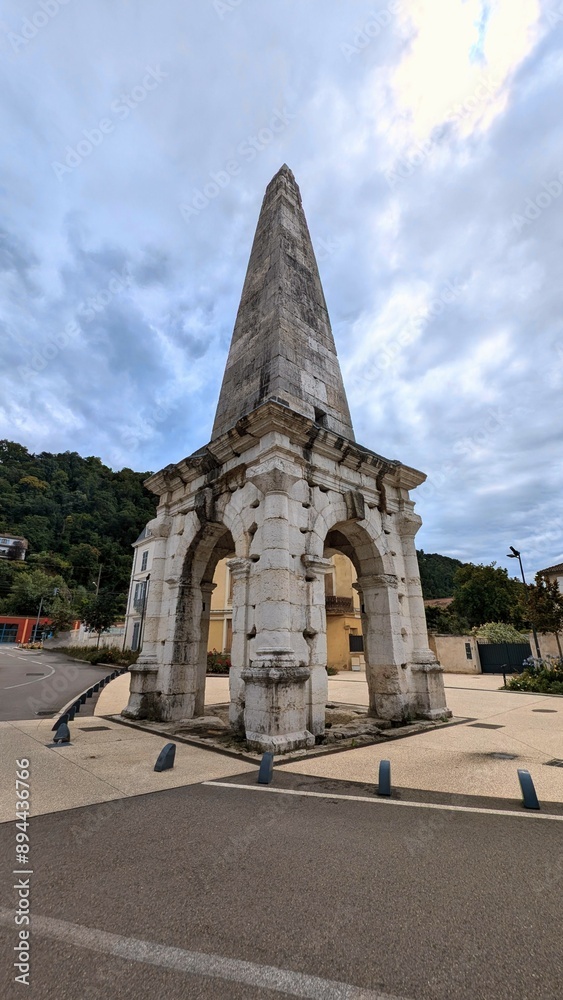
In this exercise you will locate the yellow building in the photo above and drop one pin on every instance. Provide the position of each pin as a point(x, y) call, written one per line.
point(343, 624)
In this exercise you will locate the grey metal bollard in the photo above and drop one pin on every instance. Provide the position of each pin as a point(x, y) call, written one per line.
point(384, 785)
point(529, 795)
point(62, 734)
point(165, 759)
point(266, 772)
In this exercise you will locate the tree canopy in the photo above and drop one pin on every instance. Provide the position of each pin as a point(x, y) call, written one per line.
point(437, 574)
point(487, 594)
point(77, 515)
point(543, 607)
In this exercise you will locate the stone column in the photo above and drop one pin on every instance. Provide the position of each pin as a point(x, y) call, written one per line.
point(383, 645)
point(275, 714)
point(181, 675)
point(240, 573)
point(428, 698)
point(200, 671)
point(143, 700)
point(315, 634)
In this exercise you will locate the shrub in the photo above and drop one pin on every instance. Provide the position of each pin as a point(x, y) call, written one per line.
point(499, 632)
point(542, 675)
point(218, 663)
point(106, 654)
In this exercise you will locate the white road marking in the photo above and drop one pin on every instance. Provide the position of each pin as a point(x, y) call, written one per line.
point(42, 678)
point(383, 801)
point(196, 963)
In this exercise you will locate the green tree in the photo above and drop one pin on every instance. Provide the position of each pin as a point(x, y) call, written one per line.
point(485, 594)
point(72, 508)
point(100, 613)
point(543, 607)
point(499, 632)
point(63, 615)
point(50, 563)
point(32, 588)
point(437, 574)
point(84, 560)
point(443, 621)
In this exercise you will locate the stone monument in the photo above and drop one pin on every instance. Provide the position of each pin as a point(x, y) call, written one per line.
point(283, 484)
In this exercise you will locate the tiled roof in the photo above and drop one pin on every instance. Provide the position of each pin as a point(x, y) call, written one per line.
point(558, 568)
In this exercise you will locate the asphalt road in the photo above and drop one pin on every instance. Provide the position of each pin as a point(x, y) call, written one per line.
point(33, 683)
point(226, 887)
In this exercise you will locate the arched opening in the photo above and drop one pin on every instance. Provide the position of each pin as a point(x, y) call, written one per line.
point(378, 610)
point(211, 547)
point(220, 636)
point(344, 637)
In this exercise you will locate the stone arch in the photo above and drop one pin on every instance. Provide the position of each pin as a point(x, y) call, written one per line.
point(212, 542)
point(381, 615)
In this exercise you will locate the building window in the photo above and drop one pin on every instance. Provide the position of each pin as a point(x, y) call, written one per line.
point(139, 595)
point(356, 643)
point(135, 639)
point(144, 560)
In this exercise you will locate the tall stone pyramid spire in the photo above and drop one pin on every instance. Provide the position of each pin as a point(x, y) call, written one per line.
point(282, 347)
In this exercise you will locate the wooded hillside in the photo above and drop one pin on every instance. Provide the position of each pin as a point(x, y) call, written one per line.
point(77, 515)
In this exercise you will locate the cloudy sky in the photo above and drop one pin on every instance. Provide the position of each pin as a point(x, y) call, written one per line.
point(426, 138)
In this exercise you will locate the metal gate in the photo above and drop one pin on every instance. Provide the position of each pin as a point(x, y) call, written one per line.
point(8, 633)
point(496, 655)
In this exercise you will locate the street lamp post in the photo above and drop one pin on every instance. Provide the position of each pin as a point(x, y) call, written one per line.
point(514, 554)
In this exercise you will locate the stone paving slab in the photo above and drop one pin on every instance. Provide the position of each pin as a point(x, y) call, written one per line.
point(98, 766)
point(456, 759)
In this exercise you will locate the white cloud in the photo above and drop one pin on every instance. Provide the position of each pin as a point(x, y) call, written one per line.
point(410, 195)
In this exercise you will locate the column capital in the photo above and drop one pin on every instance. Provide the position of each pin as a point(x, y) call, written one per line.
point(316, 566)
point(409, 523)
point(377, 581)
point(239, 567)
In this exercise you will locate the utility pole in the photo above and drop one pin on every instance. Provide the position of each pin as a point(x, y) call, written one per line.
point(38, 617)
point(99, 578)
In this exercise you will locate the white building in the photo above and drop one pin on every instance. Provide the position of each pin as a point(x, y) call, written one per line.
point(138, 589)
point(554, 573)
point(13, 547)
